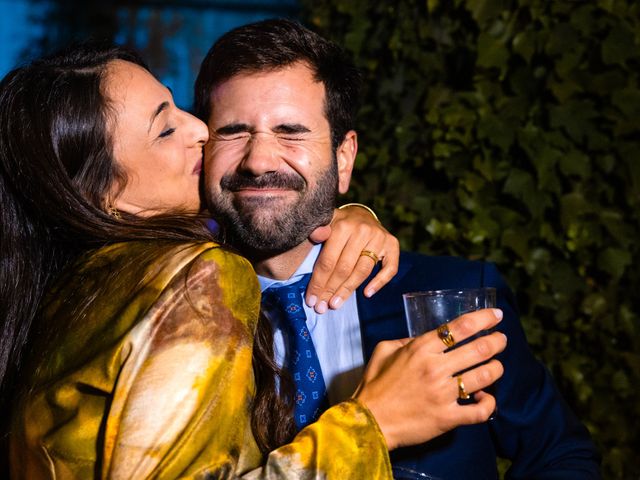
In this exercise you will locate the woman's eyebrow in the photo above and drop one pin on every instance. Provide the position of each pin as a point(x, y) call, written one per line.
point(163, 106)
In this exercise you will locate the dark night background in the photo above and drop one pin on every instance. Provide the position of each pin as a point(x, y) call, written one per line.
point(506, 130)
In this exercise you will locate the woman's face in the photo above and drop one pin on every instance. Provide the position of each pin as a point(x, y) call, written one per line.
point(158, 146)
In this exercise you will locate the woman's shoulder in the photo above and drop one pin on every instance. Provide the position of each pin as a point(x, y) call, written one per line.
point(132, 276)
point(116, 290)
point(157, 261)
point(169, 252)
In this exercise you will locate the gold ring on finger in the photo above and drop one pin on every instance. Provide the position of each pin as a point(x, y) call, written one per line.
point(462, 393)
point(370, 254)
point(444, 334)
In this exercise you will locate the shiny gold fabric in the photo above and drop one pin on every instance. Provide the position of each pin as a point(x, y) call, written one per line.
point(147, 374)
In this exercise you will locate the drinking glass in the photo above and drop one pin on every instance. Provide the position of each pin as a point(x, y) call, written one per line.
point(426, 311)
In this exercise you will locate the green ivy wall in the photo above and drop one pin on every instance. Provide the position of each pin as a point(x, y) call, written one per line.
point(509, 131)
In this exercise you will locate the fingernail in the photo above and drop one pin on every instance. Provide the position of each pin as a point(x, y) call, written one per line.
point(369, 292)
point(336, 302)
point(498, 313)
point(322, 307)
point(312, 300)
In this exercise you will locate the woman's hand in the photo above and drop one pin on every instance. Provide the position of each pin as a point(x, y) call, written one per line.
point(341, 268)
point(410, 385)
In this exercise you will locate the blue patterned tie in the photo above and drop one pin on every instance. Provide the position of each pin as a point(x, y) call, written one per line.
point(302, 361)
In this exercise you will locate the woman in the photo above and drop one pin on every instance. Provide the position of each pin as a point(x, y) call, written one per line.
point(140, 362)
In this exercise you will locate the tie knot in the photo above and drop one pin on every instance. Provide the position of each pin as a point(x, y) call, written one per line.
point(286, 295)
point(288, 298)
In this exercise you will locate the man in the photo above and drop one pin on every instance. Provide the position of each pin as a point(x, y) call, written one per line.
point(280, 102)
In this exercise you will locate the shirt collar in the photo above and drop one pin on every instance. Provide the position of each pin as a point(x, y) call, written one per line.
point(305, 267)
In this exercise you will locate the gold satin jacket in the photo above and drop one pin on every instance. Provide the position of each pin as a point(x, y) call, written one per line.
point(147, 373)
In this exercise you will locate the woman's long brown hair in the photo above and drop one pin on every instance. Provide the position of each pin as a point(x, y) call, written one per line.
point(56, 167)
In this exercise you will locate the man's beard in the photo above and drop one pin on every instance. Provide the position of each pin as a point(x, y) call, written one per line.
point(262, 227)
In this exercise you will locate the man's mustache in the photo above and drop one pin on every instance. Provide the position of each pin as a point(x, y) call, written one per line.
point(238, 181)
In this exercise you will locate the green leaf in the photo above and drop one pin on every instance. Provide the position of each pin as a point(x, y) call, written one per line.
point(524, 44)
point(627, 100)
point(576, 163)
point(574, 116)
point(484, 11)
point(498, 132)
point(614, 261)
point(616, 48)
point(562, 39)
point(492, 52)
point(572, 207)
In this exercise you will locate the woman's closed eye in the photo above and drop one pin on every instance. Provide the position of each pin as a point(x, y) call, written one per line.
point(166, 132)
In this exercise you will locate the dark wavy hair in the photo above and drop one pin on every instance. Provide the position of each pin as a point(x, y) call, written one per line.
point(56, 169)
point(274, 44)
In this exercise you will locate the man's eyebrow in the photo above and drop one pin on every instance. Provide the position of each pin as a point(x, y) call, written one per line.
point(291, 128)
point(162, 107)
point(233, 128)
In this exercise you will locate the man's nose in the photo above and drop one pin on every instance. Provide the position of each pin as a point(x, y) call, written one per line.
point(261, 154)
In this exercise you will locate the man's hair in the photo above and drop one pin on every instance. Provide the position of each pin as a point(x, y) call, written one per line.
point(274, 44)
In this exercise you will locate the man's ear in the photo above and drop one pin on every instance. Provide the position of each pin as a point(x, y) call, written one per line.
point(346, 156)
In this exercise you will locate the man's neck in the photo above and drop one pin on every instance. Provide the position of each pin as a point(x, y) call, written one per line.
point(283, 265)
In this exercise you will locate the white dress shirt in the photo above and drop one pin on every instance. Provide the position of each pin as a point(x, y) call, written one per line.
point(335, 335)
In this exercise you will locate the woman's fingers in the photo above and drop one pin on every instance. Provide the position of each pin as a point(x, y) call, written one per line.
point(338, 271)
point(478, 412)
point(477, 351)
point(323, 268)
point(412, 386)
point(413, 391)
point(342, 266)
point(390, 258)
point(461, 328)
point(481, 376)
point(370, 240)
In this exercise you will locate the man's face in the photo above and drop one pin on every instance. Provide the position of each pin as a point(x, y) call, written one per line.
point(271, 175)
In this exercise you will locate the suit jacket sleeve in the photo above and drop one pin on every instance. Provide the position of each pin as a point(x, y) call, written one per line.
point(534, 426)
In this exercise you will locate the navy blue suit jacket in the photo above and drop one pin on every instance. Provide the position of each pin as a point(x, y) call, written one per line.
point(533, 426)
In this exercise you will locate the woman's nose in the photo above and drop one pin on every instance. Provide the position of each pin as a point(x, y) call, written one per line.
point(197, 130)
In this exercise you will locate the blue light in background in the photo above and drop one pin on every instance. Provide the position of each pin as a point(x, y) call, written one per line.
point(19, 28)
point(190, 31)
point(172, 36)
